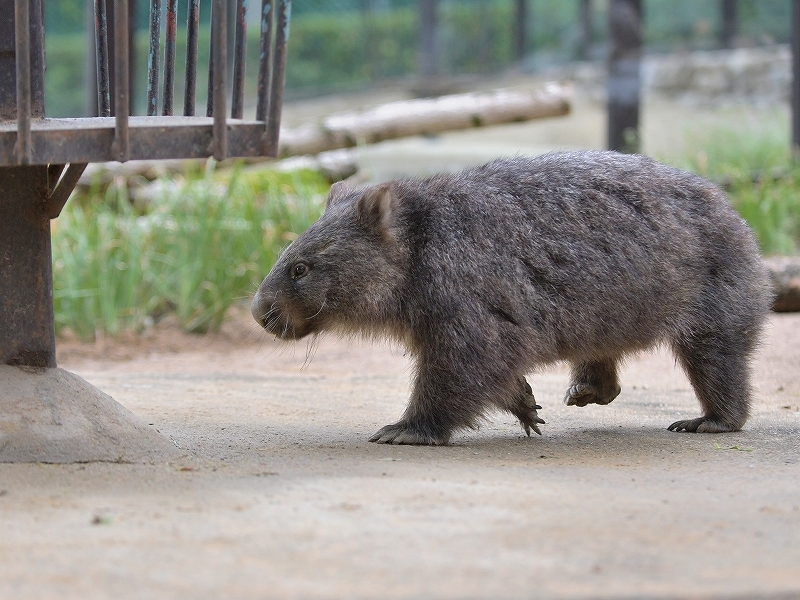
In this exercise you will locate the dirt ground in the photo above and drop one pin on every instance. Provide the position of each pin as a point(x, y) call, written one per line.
point(278, 494)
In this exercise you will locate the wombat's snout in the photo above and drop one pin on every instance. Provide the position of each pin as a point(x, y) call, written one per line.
point(260, 309)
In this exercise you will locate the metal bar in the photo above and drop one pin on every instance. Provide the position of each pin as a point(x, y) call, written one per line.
point(264, 55)
point(22, 20)
point(211, 54)
point(239, 60)
point(153, 57)
point(219, 18)
point(122, 83)
point(282, 18)
point(53, 173)
point(58, 198)
point(169, 56)
point(101, 47)
point(192, 25)
point(151, 138)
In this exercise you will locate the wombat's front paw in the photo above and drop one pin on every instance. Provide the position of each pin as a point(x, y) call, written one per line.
point(701, 425)
point(403, 433)
point(582, 394)
point(526, 409)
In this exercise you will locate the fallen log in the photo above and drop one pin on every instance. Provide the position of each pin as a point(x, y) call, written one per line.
point(784, 272)
point(425, 117)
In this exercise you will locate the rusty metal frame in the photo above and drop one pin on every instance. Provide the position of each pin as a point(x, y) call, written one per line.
point(82, 140)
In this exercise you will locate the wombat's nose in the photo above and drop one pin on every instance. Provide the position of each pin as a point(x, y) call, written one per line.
point(258, 311)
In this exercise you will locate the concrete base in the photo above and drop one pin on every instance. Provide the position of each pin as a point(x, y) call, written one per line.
point(53, 416)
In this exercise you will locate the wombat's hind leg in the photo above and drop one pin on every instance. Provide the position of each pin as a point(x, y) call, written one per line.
point(720, 378)
point(526, 407)
point(403, 433)
point(593, 382)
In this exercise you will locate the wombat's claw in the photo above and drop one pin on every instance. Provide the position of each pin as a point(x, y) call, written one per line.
point(526, 413)
point(399, 433)
point(701, 425)
point(528, 426)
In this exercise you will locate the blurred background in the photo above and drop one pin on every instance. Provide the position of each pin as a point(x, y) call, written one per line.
point(347, 45)
point(181, 244)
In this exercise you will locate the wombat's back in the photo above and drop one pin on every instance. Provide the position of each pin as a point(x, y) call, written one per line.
point(580, 254)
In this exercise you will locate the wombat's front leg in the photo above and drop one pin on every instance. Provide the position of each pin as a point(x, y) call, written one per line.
point(526, 407)
point(441, 402)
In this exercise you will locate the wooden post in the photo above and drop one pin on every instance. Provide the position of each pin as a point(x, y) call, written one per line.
point(728, 23)
point(625, 49)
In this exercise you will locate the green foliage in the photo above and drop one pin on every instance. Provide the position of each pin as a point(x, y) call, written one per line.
point(754, 163)
point(206, 243)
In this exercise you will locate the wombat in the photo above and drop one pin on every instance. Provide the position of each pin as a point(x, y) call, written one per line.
point(485, 274)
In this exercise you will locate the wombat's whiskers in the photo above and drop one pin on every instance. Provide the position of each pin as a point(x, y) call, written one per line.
point(319, 311)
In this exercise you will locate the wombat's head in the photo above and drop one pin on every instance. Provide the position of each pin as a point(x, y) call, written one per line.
point(342, 273)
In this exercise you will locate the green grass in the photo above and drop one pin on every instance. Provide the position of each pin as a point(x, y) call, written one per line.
point(203, 246)
point(754, 164)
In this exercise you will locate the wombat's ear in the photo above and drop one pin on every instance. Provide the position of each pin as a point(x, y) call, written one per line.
point(376, 206)
point(339, 190)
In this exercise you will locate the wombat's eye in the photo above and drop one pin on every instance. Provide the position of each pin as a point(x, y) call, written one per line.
point(299, 270)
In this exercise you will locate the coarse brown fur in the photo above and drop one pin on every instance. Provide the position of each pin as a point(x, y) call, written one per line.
point(490, 272)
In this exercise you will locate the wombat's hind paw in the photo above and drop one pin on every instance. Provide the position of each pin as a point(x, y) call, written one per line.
point(701, 425)
point(582, 394)
point(401, 433)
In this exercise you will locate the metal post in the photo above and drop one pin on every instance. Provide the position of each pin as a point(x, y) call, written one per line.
point(264, 60)
point(219, 17)
point(169, 55)
point(122, 83)
point(101, 45)
point(625, 49)
point(282, 18)
point(428, 46)
point(27, 334)
point(192, 27)
point(796, 78)
point(585, 29)
point(153, 57)
point(239, 58)
point(22, 20)
point(520, 29)
point(729, 24)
